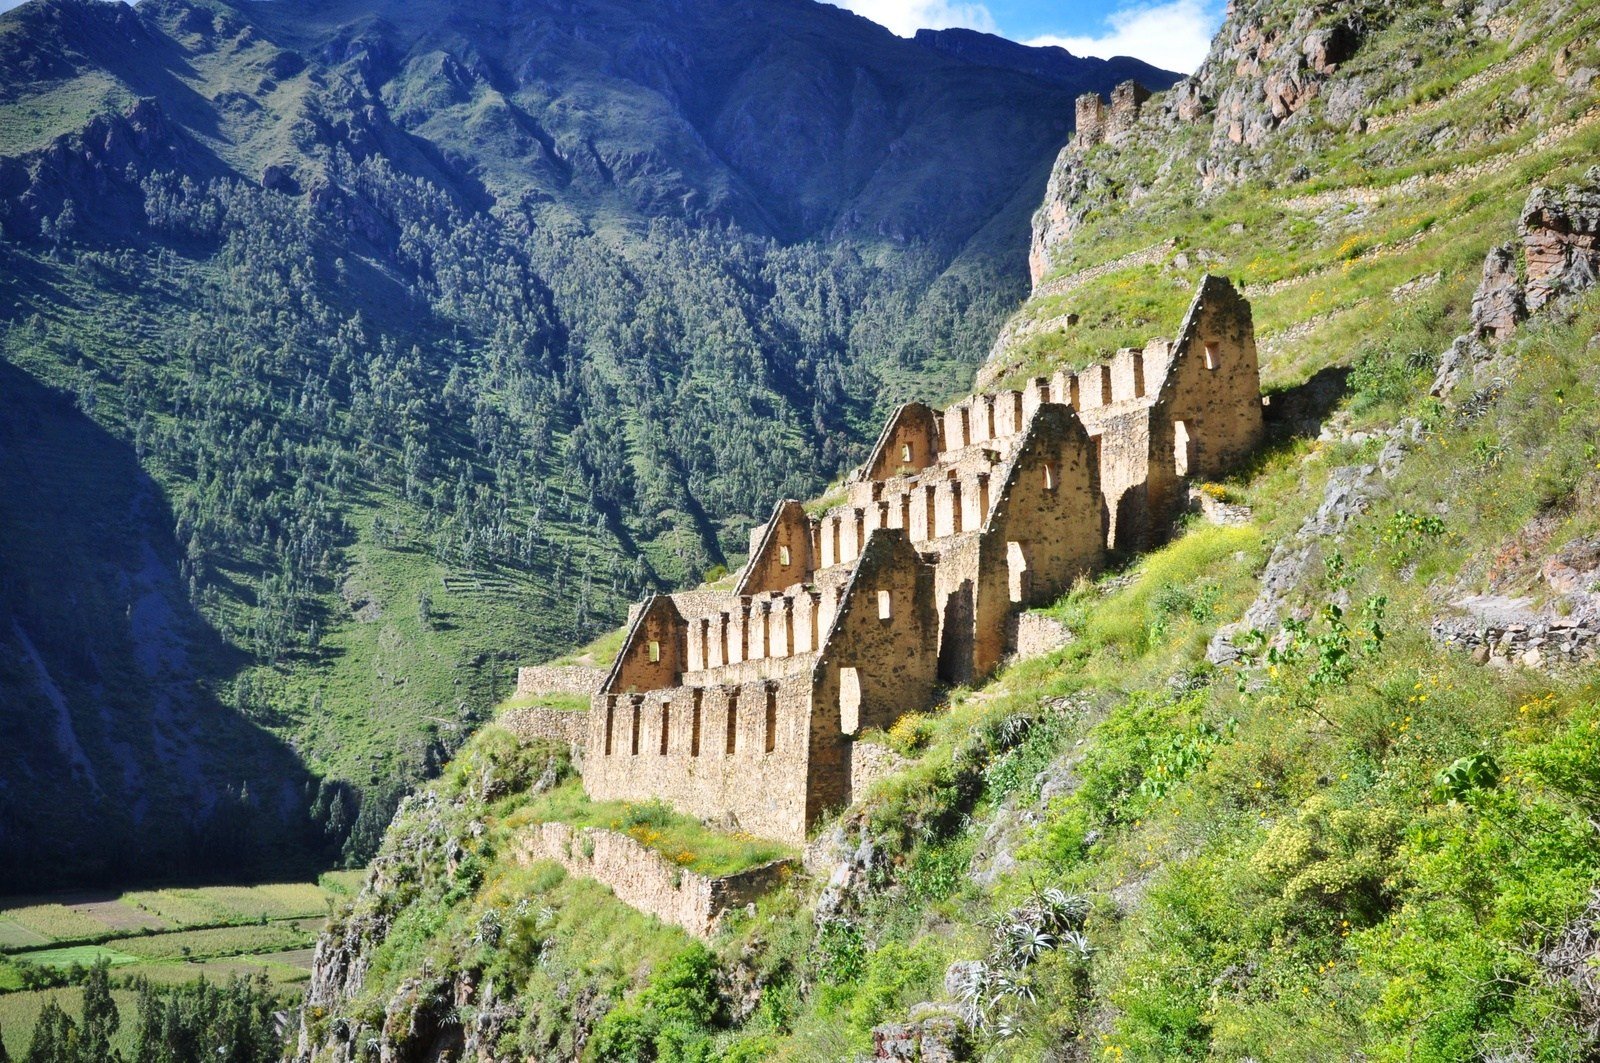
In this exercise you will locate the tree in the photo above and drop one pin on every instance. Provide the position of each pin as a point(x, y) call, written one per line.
point(55, 1037)
point(100, 1018)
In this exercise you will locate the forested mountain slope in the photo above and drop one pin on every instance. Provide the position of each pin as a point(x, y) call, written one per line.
point(439, 332)
point(1317, 780)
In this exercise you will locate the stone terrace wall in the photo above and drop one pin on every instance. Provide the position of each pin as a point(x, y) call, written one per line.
point(870, 762)
point(557, 725)
point(1038, 635)
point(644, 879)
point(559, 679)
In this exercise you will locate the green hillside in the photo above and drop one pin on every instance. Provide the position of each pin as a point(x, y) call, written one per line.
point(394, 345)
point(1342, 838)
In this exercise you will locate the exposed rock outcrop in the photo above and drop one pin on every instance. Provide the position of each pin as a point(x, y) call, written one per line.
point(101, 162)
point(1499, 303)
point(1265, 67)
point(1561, 239)
point(1560, 253)
point(933, 1039)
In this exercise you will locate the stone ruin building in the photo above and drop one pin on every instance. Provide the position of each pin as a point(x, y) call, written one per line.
point(743, 707)
point(1100, 123)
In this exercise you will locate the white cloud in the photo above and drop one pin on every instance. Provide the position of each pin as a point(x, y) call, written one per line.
point(906, 17)
point(1173, 35)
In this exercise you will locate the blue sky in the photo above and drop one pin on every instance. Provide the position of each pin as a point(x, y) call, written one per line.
point(1169, 33)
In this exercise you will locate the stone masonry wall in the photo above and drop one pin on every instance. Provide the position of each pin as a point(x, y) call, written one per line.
point(1091, 120)
point(558, 679)
point(909, 441)
point(653, 653)
point(1038, 635)
point(1127, 99)
point(743, 709)
point(645, 880)
point(1048, 523)
point(733, 755)
point(782, 556)
point(557, 725)
point(1214, 385)
point(874, 667)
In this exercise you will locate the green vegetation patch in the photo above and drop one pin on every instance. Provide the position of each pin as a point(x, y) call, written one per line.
point(221, 941)
point(231, 904)
point(682, 839)
point(15, 935)
point(81, 956)
point(561, 702)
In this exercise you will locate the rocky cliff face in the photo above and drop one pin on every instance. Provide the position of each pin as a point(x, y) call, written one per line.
point(1266, 66)
point(1281, 86)
point(427, 1012)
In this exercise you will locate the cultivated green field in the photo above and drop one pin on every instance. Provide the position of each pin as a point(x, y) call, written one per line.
point(168, 936)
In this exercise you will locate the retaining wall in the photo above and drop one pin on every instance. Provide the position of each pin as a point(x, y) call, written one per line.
point(644, 879)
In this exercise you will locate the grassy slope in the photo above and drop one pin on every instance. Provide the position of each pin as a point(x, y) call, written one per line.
point(1277, 871)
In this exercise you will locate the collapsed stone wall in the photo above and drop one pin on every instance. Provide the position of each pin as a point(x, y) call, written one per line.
point(644, 879)
point(1098, 122)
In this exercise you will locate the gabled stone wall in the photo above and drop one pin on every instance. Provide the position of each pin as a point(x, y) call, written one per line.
point(751, 736)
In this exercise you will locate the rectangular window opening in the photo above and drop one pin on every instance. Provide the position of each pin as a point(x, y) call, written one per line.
point(1213, 356)
point(1182, 448)
point(905, 453)
point(849, 700)
point(666, 725)
point(694, 726)
point(772, 719)
point(634, 750)
point(783, 555)
point(611, 719)
point(1049, 477)
point(885, 605)
point(655, 652)
point(733, 724)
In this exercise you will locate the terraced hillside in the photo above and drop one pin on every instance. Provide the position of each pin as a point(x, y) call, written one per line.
point(1316, 780)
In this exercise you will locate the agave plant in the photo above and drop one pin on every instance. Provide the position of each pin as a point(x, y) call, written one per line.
point(973, 986)
point(1062, 910)
point(1015, 986)
point(1022, 942)
point(1014, 728)
point(1077, 943)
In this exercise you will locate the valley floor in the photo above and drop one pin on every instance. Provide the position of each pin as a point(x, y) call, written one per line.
point(167, 936)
